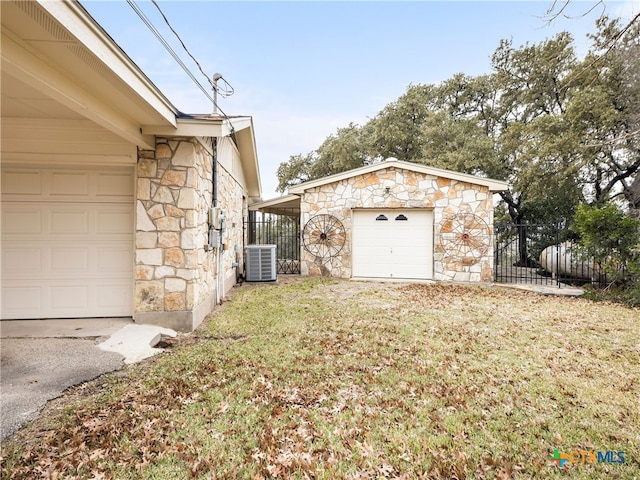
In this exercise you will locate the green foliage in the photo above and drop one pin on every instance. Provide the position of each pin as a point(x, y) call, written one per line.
point(296, 170)
point(397, 131)
point(612, 238)
point(344, 150)
point(607, 233)
point(559, 129)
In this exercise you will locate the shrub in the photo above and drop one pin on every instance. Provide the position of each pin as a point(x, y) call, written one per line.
point(612, 238)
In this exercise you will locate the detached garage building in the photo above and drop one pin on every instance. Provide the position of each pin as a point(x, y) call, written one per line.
point(397, 220)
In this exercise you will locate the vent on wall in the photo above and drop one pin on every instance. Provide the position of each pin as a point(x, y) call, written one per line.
point(261, 263)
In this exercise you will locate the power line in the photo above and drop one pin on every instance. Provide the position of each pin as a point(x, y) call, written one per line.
point(182, 43)
point(166, 45)
point(175, 56)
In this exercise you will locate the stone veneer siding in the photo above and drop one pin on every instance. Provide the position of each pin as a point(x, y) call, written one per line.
point(232, 201)
point(407, 189)
point(175, 277)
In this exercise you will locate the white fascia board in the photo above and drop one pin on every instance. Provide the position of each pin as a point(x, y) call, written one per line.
point(200, 126)
point(20, 62)
point(288, 201)
point(249, 159)
point(187, 127)
point(240, 123)
point(77, 21)
point(491, 184)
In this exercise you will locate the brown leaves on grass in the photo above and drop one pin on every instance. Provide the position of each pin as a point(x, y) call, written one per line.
point(417, 381)
point(134, 431)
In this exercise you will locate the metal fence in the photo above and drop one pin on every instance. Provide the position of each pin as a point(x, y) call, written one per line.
point(282, 230)
point(543, 254)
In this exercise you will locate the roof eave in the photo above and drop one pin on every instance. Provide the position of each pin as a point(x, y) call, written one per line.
point(77, 20)
point(491, 184)
point(241, 128)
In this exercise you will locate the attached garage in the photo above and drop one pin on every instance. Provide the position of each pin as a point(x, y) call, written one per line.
point(107, 187)
point(392, 243)
point(67, 242)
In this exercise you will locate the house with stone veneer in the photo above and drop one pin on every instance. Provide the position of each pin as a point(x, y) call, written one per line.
point(395, 220)
point(108, 189)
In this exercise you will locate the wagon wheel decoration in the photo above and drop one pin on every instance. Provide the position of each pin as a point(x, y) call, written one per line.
point(323, 236)
point(464, 238)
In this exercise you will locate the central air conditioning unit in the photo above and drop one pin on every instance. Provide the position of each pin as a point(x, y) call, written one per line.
point(261, 263)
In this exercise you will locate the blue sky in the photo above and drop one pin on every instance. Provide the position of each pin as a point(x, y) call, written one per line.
point(302, 69)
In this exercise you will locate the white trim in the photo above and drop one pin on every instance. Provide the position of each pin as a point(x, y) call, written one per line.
point(77, 21)
point(277, 202)
point(493, 185)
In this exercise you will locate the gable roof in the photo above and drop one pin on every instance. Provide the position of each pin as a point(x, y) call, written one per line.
point(57, 60)
point(491, 184)
point(59, 64)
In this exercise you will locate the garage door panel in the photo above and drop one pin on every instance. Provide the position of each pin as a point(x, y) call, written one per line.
point(68, 258)
point(399, 247)
point(71, 298)
point(66, 222)
point(110, 296)
point(114, 221)
point(22, 299)
point(21, 182)
point(110, 259)
point(17, 221)
point(69, 183)
point(20, 259)
point(113, 185)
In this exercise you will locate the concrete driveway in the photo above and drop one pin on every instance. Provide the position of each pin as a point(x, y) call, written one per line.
point(40, 359)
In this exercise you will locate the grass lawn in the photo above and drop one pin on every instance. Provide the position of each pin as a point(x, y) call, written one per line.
point(319, 378)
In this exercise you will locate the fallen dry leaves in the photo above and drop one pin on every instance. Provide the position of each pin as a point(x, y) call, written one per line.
point(330, 379)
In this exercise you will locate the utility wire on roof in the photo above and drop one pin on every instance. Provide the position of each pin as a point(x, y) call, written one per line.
point(175, 56)
point(182, 43)
point(164, 43)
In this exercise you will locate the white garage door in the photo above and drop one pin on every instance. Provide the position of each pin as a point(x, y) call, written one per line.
point(67, 243)
point(392, 244)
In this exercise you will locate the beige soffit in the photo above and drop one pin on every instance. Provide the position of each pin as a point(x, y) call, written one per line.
point(493, 185)
point(59, 50)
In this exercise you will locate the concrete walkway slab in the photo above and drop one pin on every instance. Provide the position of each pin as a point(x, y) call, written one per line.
point(564, 291)
point(62, 328)
point(136, 342)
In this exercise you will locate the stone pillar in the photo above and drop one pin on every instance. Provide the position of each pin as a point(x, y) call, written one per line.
point(175, 276)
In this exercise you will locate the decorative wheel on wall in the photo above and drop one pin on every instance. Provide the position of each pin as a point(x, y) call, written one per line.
point(323, 236)
point(465, 238)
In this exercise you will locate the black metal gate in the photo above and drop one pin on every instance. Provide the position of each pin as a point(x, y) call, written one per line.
point(543, 254)
point(281, 230)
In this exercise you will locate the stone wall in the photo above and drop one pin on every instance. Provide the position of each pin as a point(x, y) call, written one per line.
point(456, 205)
point(232, 201)
point(175, 276)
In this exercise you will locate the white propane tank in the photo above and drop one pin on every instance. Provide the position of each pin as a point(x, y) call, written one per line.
point(558, 259)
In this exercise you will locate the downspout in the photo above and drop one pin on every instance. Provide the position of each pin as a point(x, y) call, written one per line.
point(214, 204)
point(214, 160)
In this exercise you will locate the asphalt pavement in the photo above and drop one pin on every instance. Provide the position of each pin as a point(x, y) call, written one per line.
point(40, 359)
point(36, 370)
